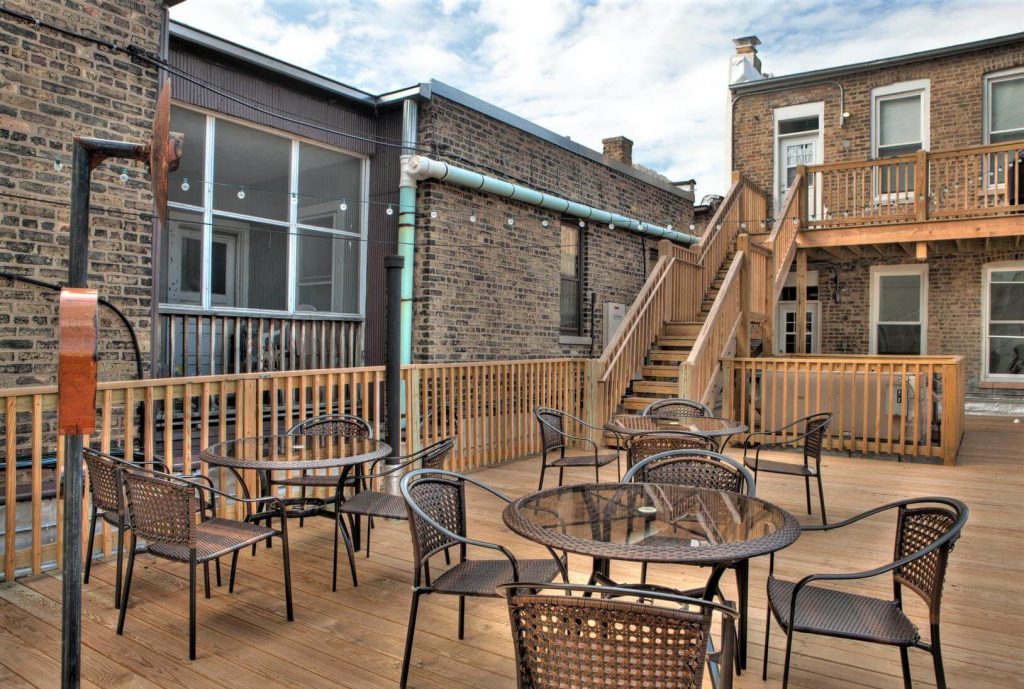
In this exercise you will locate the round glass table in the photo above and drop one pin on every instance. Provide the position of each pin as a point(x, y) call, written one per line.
point(625, 425)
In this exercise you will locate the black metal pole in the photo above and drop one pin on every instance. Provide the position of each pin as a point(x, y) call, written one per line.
point(78, 276)
point(393, 358)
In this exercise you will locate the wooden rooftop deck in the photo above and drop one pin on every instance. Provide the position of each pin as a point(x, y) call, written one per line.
point(353, 638)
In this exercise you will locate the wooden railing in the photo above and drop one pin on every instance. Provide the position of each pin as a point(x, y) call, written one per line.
point(961, 183)
point(782, 241)
point(881, 404)
point(488, 405)
point(698, 373)
point(195, 344)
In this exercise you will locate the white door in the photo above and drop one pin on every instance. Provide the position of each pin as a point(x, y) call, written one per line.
point(184, 265)
point(794, 151)
point(786, 343)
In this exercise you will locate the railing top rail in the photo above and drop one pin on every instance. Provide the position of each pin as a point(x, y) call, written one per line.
point(990, 148)
point(712, 318)
point(853, 164)
point(614, 349)
point(174, 310)
point(857, 358)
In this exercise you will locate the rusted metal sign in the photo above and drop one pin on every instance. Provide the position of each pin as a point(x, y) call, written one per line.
point(76, 369)
point(165, 149)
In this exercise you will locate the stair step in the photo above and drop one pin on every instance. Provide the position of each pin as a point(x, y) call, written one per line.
point(656, 372)
point(672, 356)
point(656, 387)
point(683, 328)
point(635, 405)
point(671, 341)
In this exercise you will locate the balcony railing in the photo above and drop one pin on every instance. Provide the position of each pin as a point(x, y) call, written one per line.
point(944, 185)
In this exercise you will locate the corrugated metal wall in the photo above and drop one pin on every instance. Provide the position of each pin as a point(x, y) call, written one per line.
point(280, 95)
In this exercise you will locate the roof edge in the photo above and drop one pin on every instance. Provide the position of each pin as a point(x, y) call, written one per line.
point(801, 78)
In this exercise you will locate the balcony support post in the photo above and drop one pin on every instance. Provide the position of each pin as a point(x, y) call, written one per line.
point(801, 301)
point(921, 185)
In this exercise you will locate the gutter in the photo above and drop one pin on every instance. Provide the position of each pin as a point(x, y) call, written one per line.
point(416, 167)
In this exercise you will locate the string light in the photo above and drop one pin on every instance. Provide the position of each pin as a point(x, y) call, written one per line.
point(472, 217)
point(241, 192)
point(124, 174)
point(583, 223)
point(58, 164)
point(390, 210)
point(692, 227)
point(544, 223)
point(433, 214)
point(743, 225)
point(343, 205)
point(511, 222)
point(185, 185)
point(295, 199)
point(640, 226)
point(669, 227)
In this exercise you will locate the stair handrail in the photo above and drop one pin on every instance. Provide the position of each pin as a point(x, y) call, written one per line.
point(782, 241)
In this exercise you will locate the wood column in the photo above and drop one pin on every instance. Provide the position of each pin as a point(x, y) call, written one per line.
point(743, 330)
point(801, 301)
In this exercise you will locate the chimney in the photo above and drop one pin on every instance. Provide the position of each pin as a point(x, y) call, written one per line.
point(619, 148)
point(745, 65)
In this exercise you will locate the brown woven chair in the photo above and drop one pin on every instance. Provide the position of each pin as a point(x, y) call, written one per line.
point(677, 408)
point(161, 510)
point(556, 440)
point(643, 445)
point(703, 469)
point(601, 636)
point(376, 503)
point(926, 529)
point(812, 435)
point(106, 494)
point(436, 504)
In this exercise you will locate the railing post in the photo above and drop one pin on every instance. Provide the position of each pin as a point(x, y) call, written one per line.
point(686, 382)
point(729, 386)
point(664, 248)
point(746, 275)
point(593, 393)
point(803, 179)
point(801, 301)
point(921, 185)
point(768, 325)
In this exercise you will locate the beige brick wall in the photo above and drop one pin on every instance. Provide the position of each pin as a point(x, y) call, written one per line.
point(956, 109)
point(486, 290)
point(53, 88)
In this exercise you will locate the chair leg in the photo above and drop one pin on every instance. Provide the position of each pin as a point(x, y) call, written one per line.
point(821, 499)
point(561, 472)
point(940, 673)
point(767, 634)
point(88, 550)
point(447, 557)
point(742, 581)
point(369, 525)
point(192, 606)
point(807, 489)
point(462, 617)
point(206, 579)
point(120, 562)
point(408, 638)
point(218, 572)
point(127, 587)
point(540, 484)
point(597, 473)
point(643, 572)
point(286, 564)
point(234, 568)
point(789, 655)
point(905, 662)
point(351, 555)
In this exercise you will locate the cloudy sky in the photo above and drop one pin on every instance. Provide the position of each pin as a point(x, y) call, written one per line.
point(652, 70)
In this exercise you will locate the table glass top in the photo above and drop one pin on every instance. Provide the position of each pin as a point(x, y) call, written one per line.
point(705, 425)
point(295, 451)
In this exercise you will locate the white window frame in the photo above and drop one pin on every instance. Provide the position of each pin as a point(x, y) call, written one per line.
point(291, 225)
point(986, 276)
point(794, 112)
point(989, 79)
point(903, 269)
point(813, 306)
point(900, 90)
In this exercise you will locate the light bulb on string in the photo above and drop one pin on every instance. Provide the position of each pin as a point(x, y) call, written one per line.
point(241, 193)
point(390, 210)
point(611, 226)
point(472, 217)
point(343, 205)
point(640, 226)
point(124, 174)
point(692, 227)
point(544, 223)
point(743, 225)
point(295, 199)
point(433, 215)
point(511, 222)
point(583, 223)
point(58, 164)
point(185, 185)
point(669, 227)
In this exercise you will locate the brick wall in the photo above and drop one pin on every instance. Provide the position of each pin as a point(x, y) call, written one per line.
point(51, 89)
point(955, 117)
point(954, 303)
point(489, 290)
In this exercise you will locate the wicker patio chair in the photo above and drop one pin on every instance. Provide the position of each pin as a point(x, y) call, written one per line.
point(436, 504)
point(376, 503)
point(643, 445)
point(703, 469)
point(677, 408)
point(106, 494)
point(812, 435)
point(555, 439)
point(161, 510)
point(926, 529)
point(601, 636)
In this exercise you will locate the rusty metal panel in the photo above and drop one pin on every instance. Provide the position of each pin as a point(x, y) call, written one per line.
point(76, 368)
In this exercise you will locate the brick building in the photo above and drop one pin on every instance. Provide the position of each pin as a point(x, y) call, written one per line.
point(287, 201)
point(909, 167)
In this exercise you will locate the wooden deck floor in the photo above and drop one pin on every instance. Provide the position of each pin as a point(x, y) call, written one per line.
point(353, 638)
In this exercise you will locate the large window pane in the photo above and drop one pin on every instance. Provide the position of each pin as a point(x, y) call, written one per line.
point(328, 272)
point(1006, 301)
point(899, 122)
point(569, 291)
point(254, 161)
point(1007, 111)
point(326, 179)
point(899, 298)
point(254, 273)
point(899, 339)
point(193, 125)
point(1006, 355)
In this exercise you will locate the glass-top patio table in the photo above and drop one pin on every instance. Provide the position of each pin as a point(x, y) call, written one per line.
point(624, 426)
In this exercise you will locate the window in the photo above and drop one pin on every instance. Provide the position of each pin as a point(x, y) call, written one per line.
point(1003, 321)
point(1004, 106)
point(899, 309)
point(571, 284)
point(899, 127)
point(260, 221)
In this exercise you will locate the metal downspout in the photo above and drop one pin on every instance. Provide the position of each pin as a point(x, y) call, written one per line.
point(407, 222)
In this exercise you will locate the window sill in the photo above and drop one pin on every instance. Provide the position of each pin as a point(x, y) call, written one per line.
point(1000, 385)
point(573, 340)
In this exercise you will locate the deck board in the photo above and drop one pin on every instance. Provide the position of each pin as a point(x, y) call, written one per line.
point(353, 638)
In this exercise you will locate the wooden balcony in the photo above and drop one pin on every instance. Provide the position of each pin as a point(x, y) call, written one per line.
point(960, 194)
point(353, 638)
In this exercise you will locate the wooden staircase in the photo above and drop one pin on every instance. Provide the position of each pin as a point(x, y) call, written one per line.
point(660, 374)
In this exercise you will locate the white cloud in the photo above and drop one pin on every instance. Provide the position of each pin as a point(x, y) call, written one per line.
point(653, 70)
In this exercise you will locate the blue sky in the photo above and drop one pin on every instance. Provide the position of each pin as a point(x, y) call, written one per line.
point(652, 70)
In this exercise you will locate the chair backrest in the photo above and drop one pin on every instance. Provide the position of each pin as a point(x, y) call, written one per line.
point(677, 408)
point(697, 468)
point(433, 456)
point(345, 425)
point(922, 523)
point(643, 445)
point(552, 427)
point(815, 427)
point(161, 509)
point(105, 487)
point(620, 641)
point(441, 496)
